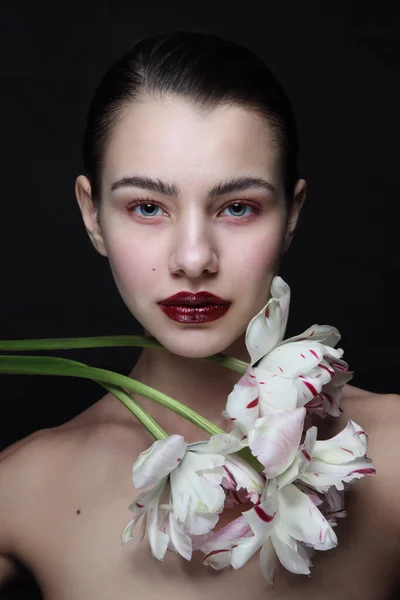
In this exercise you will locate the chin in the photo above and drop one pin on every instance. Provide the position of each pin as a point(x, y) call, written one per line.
point(196, 344)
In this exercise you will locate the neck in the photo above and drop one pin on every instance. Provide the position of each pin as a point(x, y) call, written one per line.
point(200, 384)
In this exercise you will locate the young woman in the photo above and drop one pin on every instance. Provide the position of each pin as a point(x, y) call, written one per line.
point(191, 192)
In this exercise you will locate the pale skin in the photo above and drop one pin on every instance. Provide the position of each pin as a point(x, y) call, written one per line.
point(65, 491)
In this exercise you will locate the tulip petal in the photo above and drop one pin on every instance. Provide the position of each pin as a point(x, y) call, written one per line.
point(302, 520)
point(328, 401)
point(218, 559)
point(301, 460)
point(201, 523)
point(344, 447)
point(226, 536)
point(222, 443)
point(179, 540)
point(342, 373)
point(261, 517)
point(291, 360)
point(145, 500)
point(243, 476)
point(294, 559)
point(127, 534)
point(275, 440)
point(268, 561)
point(242, 403)
point(267, 328)
point(158, 539)
point(325, 334)
point(334, 499)
point(321, 475)
point(244, 549)
point(191, 491)
point(276, 394)
point(158, 461)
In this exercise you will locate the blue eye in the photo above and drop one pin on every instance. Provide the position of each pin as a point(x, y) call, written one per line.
point(238, 209)
point(149, 209)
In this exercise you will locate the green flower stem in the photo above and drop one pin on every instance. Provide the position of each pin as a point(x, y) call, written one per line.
point(106, 342)
point(81, 342)
point(39, 365)
point(113, 382)
point(246, 454)
point(143, 416)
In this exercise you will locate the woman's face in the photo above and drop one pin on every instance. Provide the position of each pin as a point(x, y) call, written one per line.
point(181, 237)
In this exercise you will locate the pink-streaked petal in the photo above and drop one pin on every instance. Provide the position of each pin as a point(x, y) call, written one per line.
point(146, 499)
point(244, 549)
point(243, 476)
point(292, 360)
point(267, 328)
point(301, 460)
point(158, 461)
point(302, 520)
point(349, 444)
point(261, 517)
point(321, 475)
point(331, 396)
point(218, 559)
point(331, 517)
point(268, 561)
point(234, 498)
point(276, 394)
point(242, 405)
point(334, 500)
point(342, 373)
point(316, 406)
point(226, 536)
point(325, 334)
point(275, 440)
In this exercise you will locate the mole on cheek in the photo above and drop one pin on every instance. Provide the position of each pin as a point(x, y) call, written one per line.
point(78, 512)
point(153, 269)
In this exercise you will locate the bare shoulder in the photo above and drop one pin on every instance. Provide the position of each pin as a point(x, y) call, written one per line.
point(18, 465)
point(377, 410)
point(379, 416)
point(55, 465)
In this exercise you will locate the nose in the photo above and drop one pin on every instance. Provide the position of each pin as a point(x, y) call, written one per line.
point(193, 248)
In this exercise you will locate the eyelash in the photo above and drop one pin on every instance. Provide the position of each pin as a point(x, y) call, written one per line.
point(143, 201)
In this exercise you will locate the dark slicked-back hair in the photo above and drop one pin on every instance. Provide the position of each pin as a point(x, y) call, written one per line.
point(202, 68)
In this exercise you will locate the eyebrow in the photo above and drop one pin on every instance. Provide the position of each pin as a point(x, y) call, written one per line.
point(236, 184)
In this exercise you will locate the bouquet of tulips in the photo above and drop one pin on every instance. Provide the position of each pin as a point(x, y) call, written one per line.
point(291, 484)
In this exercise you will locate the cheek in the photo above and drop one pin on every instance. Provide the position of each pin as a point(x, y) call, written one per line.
point(259, 255)
point(135, 264)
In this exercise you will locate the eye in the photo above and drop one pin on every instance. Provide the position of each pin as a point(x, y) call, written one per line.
point(239, 209)
point(146, 207)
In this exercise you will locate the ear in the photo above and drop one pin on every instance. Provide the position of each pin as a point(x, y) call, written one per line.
point(299, 196)
point(83, 192)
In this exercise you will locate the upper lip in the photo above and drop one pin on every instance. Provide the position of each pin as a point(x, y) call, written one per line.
point(190, 299)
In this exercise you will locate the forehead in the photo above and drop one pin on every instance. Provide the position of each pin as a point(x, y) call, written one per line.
point(172, 138)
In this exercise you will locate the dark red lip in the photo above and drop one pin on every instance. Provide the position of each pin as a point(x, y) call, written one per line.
point(190, 299)
point(195, 314)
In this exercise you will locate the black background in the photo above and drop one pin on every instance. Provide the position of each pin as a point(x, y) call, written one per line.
point(339, 63)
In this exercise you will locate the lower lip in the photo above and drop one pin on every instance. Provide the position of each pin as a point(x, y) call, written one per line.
point(198, 314)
